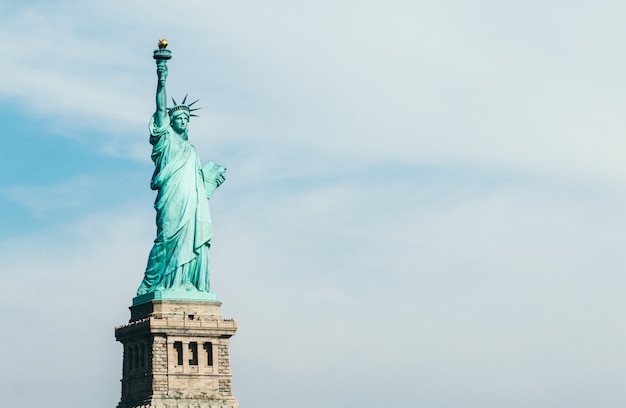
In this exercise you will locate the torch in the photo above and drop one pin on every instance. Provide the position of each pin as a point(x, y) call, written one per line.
point(161, 56)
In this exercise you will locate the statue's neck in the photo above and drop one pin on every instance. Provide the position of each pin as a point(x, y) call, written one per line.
point(183, 135)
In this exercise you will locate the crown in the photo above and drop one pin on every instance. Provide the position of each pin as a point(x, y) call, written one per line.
point(183, 107)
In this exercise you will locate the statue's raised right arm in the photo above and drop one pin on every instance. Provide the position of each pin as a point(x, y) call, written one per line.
point(161, 116)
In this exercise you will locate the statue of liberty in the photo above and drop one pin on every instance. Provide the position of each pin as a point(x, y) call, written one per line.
point(179, 259)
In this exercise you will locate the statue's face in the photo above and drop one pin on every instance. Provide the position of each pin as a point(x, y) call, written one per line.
point(179, 123)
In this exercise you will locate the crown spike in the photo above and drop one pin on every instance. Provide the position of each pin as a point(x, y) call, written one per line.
point(183, 107)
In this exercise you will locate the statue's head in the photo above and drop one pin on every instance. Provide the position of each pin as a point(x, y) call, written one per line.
point(179, 116)
point(179, 121)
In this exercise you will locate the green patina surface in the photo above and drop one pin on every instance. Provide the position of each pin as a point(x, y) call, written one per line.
point(178, 264)
point(176, 295)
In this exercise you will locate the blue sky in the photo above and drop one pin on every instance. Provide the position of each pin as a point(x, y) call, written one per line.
point(424, 204)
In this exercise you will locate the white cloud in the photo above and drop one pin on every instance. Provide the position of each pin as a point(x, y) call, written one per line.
point(484, 298)
point(42, 200)
point(59, 291)
point(401, 81)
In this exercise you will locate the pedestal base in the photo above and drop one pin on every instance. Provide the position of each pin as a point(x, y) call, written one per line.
point(184, 403)
point(176, 355)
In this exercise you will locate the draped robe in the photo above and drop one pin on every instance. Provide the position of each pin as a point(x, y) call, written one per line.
point(179, 258)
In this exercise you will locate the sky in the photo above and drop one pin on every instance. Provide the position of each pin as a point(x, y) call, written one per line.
point(424, 205)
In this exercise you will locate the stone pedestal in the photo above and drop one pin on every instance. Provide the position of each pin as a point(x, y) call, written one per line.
point(176, 355)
